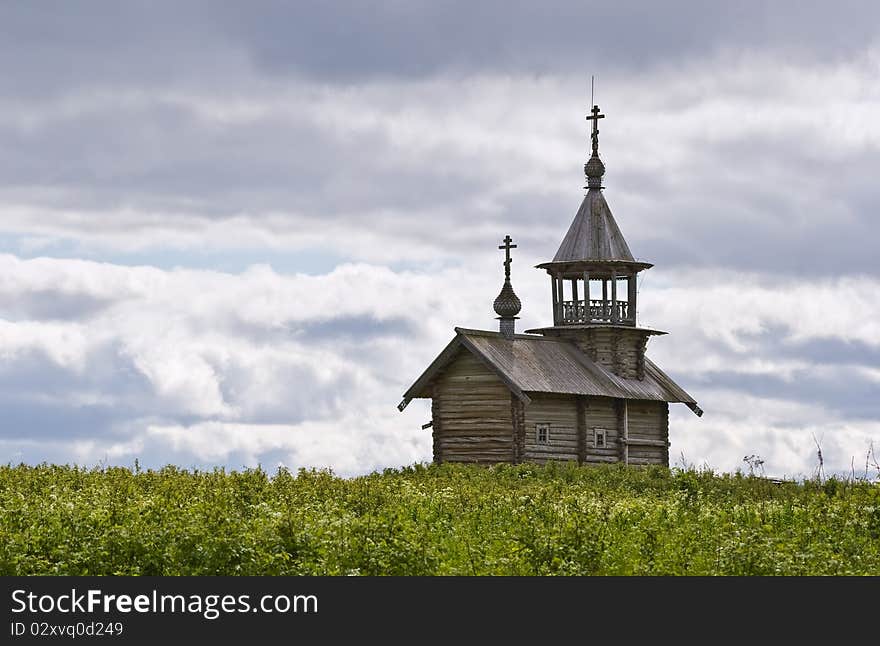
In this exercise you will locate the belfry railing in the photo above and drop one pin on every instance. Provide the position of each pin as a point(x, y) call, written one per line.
point(598, 311)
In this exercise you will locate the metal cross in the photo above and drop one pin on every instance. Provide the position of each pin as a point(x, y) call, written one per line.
point(595, 119)
point(507, 247)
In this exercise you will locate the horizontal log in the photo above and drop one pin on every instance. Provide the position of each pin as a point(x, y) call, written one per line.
point(559, 426)
point(463, 402)
point(485, 461)
point(645, 462)
point(472, 412)
point(601, 459)
point(640, 442)
point(553, 442)
point(476, 434)
point(651, 438)
point(488, 434)
point(550, 448)
point(569, 424)
point(555, 434)
point(454, 402)
point(602, 421)
point(555, 431)
point(565, 457)
point(543, 461)
point(449, 422)
point(647, 458)
point(476, 422)
point(610, 450)
point(501, 454)
point(450, 442)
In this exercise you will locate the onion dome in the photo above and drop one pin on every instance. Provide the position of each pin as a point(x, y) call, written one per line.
point(507, 305)
point(594, 170)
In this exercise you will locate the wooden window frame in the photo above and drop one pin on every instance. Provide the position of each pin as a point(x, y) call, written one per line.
point(600, 433)
point(546, 428)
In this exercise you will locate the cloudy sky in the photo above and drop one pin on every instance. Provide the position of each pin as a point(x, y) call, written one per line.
point(234, 233)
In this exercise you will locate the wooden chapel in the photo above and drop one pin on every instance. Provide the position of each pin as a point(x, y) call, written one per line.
point(582, 389)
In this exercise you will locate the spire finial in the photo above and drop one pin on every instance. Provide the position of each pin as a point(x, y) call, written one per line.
point(594, 169)
point(507, 305)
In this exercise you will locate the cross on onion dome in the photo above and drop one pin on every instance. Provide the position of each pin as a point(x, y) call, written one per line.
point(507, 247)
point(507, 305)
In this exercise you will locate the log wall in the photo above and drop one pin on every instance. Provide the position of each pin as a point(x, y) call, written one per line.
point(518, 413)
point(472, 413)
point(604, 413)
point(560, 412)
point(477, 419)
point(619, 349)
point(648, 422)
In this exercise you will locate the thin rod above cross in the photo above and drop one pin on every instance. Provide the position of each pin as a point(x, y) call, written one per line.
point(507, 247)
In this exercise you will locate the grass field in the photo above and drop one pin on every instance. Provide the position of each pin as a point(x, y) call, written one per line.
point(428, 520)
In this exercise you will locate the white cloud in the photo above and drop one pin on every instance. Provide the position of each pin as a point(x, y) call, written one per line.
point(782, 433)
point(64, 344)
point(204, 367)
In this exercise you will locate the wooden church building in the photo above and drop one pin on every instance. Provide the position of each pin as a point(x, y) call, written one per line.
point(582, 389)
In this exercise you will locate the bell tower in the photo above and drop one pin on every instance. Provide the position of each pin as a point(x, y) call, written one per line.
point(593, 281)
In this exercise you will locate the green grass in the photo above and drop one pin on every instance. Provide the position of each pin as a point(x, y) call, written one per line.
point(511, 520)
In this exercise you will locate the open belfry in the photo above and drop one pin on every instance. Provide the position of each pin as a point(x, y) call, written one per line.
point(582, 389)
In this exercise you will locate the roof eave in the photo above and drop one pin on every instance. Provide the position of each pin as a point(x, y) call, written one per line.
point(416, 391)
point(594, 264)
point(587, 326)
point(680, 393)
point(697, 410)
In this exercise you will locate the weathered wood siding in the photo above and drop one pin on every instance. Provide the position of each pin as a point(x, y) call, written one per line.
point(648, 421)
point(473, 408)
point(573, 421)
point(560, 412)
point(477, 419)
point(436, 426)
point(620, 349)
point(518, 413)
point(582, 402)
point(604, 413)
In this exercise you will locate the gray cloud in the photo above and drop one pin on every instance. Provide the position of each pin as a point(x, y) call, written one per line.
point(742, 148)
point(422, 38)
point(844, 391)
point(51, 305)
point(160, 43)
point(162, 172)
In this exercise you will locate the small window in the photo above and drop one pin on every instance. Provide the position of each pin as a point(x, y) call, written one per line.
point(599, 438)
point(542, 433)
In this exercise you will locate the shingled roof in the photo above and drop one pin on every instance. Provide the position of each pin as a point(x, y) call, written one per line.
point(536, 364)
point(594, 234)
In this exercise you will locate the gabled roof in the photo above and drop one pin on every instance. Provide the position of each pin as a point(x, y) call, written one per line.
point(536, 364)
point(594, 234)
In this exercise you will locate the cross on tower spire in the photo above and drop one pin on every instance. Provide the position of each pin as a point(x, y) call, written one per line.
point(594, 117)
point(594, 169)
